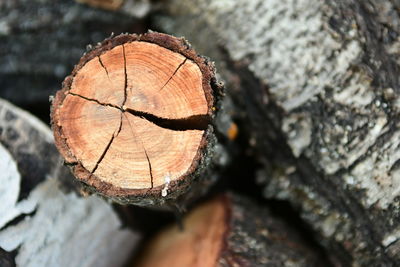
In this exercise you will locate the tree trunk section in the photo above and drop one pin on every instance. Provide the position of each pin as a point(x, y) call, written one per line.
point(319, 86)
point(133, 120)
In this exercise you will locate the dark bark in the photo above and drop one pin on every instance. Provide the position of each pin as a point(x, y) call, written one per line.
point(257, 238)
point(6, 259)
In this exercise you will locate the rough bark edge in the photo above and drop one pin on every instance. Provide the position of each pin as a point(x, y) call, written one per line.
point(213, 91)
point(254, 236)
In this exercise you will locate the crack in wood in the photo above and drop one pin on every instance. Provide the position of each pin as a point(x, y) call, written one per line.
point(151, 172)
point(194, 122)
point(96, 101)
point(108, 146)
point(126, 78)
point(173, 74)
point(144, 149)
point(104, 67)
point(103, 154)
point(120, 125)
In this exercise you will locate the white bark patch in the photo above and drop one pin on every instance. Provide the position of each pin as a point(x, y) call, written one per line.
point(164, 191)
point(342, 154)
point(392, 237)
point(136, 8)
point(357, 93)
point(376, 176)
point(9, 190)
point(289, 48)
point(330, 224)
point(298, 129)
point(65, 230)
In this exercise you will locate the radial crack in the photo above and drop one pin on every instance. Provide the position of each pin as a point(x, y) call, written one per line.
point(108, 146)
point(194, 122)
point(103, 154)
point(151, 172)
point(170, 78)
point(126, 78)
point(104, 67)
point(120, 125)
point(95, 100)
point(144, 149)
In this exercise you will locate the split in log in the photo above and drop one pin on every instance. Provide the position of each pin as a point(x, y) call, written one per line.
point(134, 118)
point(228, 231)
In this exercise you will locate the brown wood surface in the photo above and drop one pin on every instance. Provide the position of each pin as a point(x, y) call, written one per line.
point(106, 4)
point(134, 115)
point(198, 244)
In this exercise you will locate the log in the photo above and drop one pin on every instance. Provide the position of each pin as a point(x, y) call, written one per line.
point(228, 230)
point(318, 84)
point(41, 40)
point(135, 8)
point(133, 120)
point(43, 223)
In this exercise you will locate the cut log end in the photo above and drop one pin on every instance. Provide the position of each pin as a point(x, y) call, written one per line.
point(133, 118)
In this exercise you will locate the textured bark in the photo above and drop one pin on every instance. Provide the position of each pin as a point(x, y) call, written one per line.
point(40, 41)
point(319, 83)
point(229, 230)
point(257, 238)
point(41, 223)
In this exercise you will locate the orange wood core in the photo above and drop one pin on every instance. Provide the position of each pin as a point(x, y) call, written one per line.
point(198, 245)
point(134, 116)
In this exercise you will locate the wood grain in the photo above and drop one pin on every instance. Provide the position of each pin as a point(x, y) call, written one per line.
point(135, 114)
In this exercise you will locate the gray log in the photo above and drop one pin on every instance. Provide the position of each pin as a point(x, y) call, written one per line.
point(40, 222)
point(318, 84)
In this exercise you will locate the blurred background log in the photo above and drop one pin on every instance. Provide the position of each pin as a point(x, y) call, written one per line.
point(40, 41)
point(229, 230)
